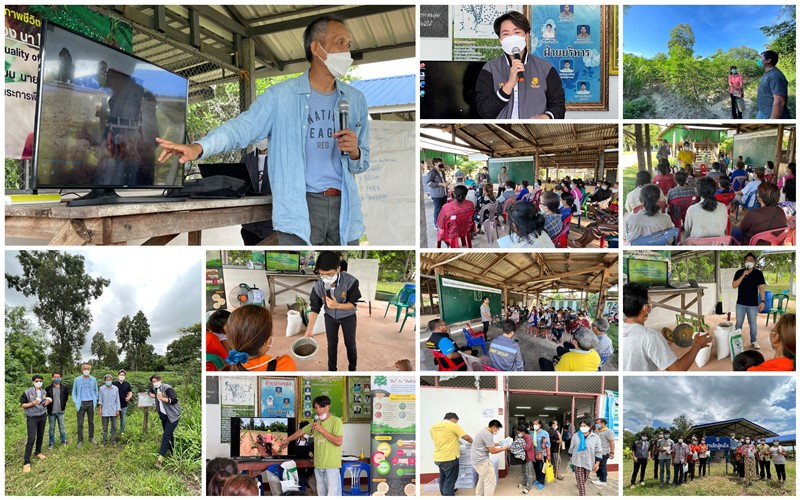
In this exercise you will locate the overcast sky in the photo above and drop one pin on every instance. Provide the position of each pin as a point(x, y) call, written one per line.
point(656, 401)
point(162, 282)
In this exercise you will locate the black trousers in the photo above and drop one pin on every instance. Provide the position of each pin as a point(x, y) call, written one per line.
point(702, 471)
point(35, 436)
point(348, 325)
point(639, 467)
point(735, 113)
point(678, 476)
point(764, 469)
point(168, 436)
point(87, 410)
point(780, 472)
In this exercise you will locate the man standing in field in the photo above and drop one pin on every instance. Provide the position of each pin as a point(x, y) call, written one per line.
point(773, 91)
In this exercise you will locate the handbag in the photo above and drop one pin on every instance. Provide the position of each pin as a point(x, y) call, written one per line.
point(538, 456)
point(549, 473)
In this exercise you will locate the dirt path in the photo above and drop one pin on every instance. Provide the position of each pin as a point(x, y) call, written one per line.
point(670, 106)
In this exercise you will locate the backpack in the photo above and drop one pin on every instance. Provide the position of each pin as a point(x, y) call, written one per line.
point(517, 448)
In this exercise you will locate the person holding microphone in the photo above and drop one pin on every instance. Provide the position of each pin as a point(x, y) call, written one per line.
point(34, 403)
point(518, 85)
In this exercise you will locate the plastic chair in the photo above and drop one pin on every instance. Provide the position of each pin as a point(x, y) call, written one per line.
point(770, 237)
point(677, 211)
point(458, 227)
point(411, 311)
point(488, 218)
point(473, 339)
point(355, 470)
point(603, 360)
point(781, 309)
point(401, 300)
point(662, 238)
point(583, 210)
point(738, 182)
point(719, 241)
point(769, 178)
point(445, 364)
point(562, 240)
point(490, 368)
point(746, 203)
point(506, 206)
point(537, 196)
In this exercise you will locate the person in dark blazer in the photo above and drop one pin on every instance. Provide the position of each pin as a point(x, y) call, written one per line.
point(256, 160)
point(169, 411)
point(59, 393)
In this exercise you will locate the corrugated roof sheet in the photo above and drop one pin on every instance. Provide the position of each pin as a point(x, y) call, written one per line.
point(390, 91)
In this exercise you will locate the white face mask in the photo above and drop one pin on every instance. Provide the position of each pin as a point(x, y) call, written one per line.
point(536, 427)
point(156, 385)
point(513, 41)
point(614, 190)
point(323, 416)
point(121, 378)
point(585, 430)
point(337, 63)
point(86, 372)
point(749, 265)
point(330, 280)
point(37, 384)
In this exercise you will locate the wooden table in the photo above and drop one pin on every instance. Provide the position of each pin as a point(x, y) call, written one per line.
point(298, 280)
point(158, 223)
point(671, 293)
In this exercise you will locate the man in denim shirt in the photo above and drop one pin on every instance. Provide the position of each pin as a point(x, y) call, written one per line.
point(308, 152)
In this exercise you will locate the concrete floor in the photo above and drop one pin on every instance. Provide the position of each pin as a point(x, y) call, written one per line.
point(532, 347)
point(380, 344)
point(479, 240)
point(507, 486)
point(725, 364)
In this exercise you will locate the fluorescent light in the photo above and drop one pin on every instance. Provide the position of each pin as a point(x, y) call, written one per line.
point(550, 408)
point(548, 154)
point(544, 415)
point(518, 415)
point(612, 150)
point(523, 407)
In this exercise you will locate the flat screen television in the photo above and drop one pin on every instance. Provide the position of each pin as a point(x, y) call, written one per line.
point(648, 272)
point(447, 90)
point(283, 262)
point(98, 114)
point(256, 437)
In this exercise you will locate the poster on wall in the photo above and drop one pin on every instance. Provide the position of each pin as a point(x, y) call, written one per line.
point(237, 399)
point(333, 387)
point(358, 402)
point(473, 31)
point(393, 455)
point(573, 40)
point(611, 410)
point(276, 397)
point(215, 283)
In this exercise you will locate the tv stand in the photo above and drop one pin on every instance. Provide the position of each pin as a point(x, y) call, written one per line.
point(108, 196)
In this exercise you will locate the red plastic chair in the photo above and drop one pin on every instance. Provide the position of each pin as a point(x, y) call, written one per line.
point(719, 241)
point(474, 333)
point(770, 237)
point(769, 178)
point(506, 206)
point(445, 364)
point(537, 196)
point(458, 227)
point(727, 199)
point(562, 240)
point(677, 211)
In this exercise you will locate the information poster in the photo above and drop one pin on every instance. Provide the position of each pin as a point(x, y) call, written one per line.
point(333, 387)
point(393, 454)
point(358, 405)
point(611, 411)
point(276, 397)
point(570, 37)
point(474, 38)
point(237, 399)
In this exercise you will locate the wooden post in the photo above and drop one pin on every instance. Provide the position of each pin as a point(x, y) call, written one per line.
point(504, 312)
point(639, 146)
point(649, 157)
point(423, 222)
point(778, 147)
point(602, 170)
point(144, 424)
point(601, 299)
point(535, 167)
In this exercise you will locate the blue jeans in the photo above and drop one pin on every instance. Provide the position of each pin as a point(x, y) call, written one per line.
point(329, 482)
point(663, 465)
point(438, 203)
point(122, 415)
point(752, 319)
point(761, 116)
point(448, 473)
point(602, 469)
point(62, 430)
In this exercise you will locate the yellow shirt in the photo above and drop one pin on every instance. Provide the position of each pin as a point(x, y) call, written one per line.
point(445, 436)
point(685, 157)
point(579, 362)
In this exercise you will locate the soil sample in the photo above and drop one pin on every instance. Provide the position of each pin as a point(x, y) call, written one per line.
point(304, 350)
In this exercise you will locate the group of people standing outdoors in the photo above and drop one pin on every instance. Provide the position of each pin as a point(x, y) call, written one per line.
point(110, 401)
point(534, 444)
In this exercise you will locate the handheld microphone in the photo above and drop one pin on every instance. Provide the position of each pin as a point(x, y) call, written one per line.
point(344, 112)
point(516, 52)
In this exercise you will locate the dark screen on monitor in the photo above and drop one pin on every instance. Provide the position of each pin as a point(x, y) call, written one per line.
point(449, 89)
point(99, 112)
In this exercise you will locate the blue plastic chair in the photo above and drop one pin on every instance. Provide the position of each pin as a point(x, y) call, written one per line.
point(477, 340)
point(401, 300)
point(750, 198)
point(355, 470)
point(662, 238)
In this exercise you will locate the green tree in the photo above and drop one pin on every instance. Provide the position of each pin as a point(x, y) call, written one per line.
point(24, 343)
point(111, 356)
point(784, 32)
point(63, 292)
point(132, 335)
point(183, 353)
point(681, 426)
point(98, 347)
point(681, 35)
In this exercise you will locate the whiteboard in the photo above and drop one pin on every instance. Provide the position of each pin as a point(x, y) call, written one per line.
point(729, 294)
point(366, 272)
point(388, 188)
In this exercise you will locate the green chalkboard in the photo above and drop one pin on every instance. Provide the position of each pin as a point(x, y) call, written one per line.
point(460, 300)
point(518, 169)
point(756, 147)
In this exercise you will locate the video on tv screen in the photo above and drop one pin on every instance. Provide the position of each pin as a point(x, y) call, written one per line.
point(99, 113)
point(283, 261)
point(257, 437)
point(648, 272)
point(447, 89)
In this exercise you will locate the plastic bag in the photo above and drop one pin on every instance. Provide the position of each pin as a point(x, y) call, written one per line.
point(685, 467)
point(319, 325)
point(294, 323)
point(703, 355)
point(736, 343)
point(549, 473)
point(722, 336)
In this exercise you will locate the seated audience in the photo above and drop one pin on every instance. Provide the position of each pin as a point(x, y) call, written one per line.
point(504, 351)
point(526, 228)
point(682, 189)
point(459, 205)
point(708, 218)
point(767, 216)
point(789, 193)
point(650, 220)
point(550, 205)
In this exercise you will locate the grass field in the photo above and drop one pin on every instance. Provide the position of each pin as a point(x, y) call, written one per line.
point(390, 286)
point(717, 485)
point(96, 470)
point(629, 175)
